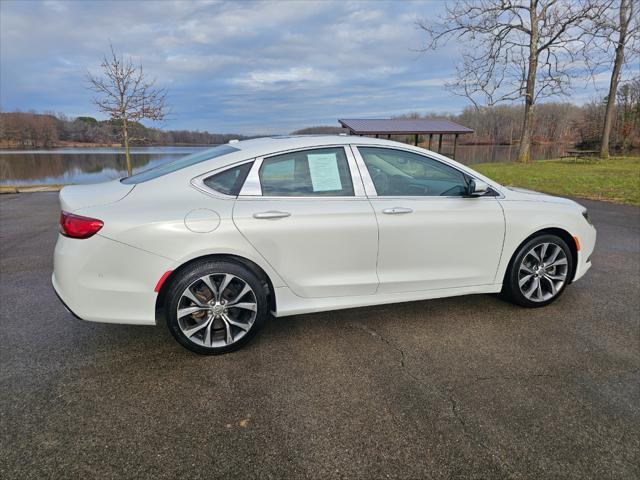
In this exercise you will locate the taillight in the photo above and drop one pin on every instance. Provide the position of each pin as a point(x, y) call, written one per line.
point(77, 226)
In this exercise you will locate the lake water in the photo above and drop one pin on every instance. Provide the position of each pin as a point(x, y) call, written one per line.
point(94, 165)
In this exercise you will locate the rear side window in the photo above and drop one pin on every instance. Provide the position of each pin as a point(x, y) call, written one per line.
point(230, 181)
point(322, 172)
point(179, 164)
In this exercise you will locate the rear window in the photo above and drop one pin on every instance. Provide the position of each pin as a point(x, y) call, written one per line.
point(230, 181)
point(179, 164)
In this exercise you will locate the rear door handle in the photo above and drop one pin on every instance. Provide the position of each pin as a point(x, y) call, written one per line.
point(271, 214)
point(397, 210)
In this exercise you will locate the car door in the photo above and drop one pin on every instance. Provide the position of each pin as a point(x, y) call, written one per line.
point(306, 213)
point(431, 234)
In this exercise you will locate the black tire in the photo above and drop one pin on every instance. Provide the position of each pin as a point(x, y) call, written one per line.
point(189, 277)
point(511, 289)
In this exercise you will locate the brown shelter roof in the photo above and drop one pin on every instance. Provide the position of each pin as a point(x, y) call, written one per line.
point(402, 126)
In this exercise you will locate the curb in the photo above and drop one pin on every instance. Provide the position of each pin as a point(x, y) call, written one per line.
point(30, 188)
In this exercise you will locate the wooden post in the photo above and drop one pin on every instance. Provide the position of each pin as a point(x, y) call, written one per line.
point(377, 136)
point(389, 137)
point(416, 140)
point(430, 140)
point(440, 143)
point(455, 145)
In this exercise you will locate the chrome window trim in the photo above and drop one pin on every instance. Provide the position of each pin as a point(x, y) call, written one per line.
point(198, 182)
point(356, 178)
point(371, 189)
point(252, 187)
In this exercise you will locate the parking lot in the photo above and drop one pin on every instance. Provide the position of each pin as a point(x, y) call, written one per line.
point(467, 387)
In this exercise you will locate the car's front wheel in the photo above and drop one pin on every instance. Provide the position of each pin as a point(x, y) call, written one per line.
point(215, 307)
point(539, 271)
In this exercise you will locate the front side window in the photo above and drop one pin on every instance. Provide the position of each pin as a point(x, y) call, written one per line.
point(230, 181)
point(402, 173)
point(319, 172)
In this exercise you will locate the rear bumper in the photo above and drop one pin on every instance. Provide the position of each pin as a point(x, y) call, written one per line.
point(101, 280)
point(66, 307)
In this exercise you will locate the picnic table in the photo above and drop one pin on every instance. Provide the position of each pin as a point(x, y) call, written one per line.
point(576, 154)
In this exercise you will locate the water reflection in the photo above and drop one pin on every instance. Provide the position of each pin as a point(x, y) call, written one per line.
point(80, 165)
point(94, 165)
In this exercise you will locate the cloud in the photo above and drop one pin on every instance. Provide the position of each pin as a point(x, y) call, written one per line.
point(428, 82)
point(248, 67)
point(188, 64)
point(294, 76)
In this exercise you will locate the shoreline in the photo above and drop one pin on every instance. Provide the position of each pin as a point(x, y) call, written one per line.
point(614, 180)
point(423, 144)
point(19, 149)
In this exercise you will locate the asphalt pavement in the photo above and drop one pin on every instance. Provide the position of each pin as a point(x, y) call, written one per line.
point(466, 387)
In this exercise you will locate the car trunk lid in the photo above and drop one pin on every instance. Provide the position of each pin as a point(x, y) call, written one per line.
point(75, 197)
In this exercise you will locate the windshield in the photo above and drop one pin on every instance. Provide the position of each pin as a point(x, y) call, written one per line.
point(178, 164)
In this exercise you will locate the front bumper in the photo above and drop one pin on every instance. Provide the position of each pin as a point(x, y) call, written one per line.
point(587, 240)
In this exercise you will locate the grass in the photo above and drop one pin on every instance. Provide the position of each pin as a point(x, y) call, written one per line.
point(614, 180)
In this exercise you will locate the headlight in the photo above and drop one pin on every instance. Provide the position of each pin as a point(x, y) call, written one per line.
point(585, 214)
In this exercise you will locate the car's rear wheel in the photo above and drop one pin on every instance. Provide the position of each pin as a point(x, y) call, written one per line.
point(539, 271)
point(215, 307)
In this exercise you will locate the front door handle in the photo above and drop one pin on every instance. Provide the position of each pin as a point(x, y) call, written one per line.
point(397, 210)
point(271, 214)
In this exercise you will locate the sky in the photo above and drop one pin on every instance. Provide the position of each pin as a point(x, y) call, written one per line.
point(236, 67)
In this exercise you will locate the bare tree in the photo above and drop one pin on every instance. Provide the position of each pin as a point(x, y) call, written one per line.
point(628, 122)
point(619, 31)
point(126, 96)
point(515, 49)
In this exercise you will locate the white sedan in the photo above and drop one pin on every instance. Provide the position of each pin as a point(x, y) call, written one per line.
point(217, 241)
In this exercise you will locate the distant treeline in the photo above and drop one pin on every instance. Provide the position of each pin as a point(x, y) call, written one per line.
point(321, 130)
point(33, 130)
point(564, 123)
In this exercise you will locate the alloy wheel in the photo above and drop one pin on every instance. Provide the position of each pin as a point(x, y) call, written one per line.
point(543, 272)
point(217, 310)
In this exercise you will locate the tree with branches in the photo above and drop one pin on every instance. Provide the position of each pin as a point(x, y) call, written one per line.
point(619, 30)
point(515, 49)
point(124, 93)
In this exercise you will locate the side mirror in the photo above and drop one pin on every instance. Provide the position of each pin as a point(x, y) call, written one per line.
point(477, 188)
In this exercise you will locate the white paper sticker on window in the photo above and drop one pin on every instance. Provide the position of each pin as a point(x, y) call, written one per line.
point(325, 175)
